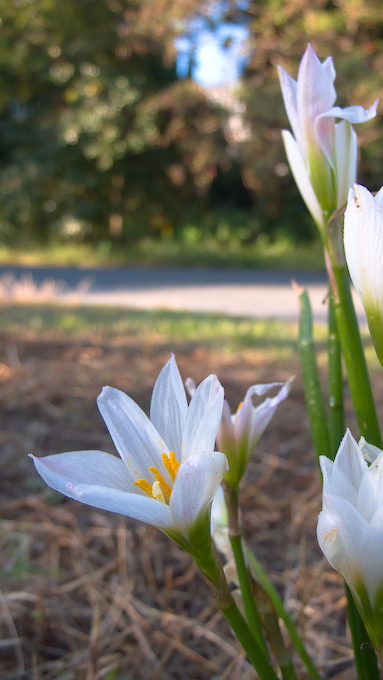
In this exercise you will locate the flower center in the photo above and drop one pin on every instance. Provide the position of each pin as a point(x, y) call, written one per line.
point(159, 489)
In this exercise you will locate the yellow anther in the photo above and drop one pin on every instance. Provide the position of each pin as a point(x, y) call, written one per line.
point(164, 486)
point(157, 492)
point(144, 486)
point(171, 464)
point(239, 406)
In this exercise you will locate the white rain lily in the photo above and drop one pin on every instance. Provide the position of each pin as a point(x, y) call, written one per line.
point(322, 154)
point(350, 528)
point(363, 245)
point(239, 433)
point(167, 473)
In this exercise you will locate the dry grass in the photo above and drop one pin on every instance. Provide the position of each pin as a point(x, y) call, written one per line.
point(87, 595)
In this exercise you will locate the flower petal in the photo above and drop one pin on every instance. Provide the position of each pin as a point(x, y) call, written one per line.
point(88, 467)
point(169, 406)
point(301, 176)
point(371, 489)
point(134, 505)
point(289, 93)
point(350, 460)
point(354, 114)
point(346, 149)
point(196, 484)
point(203, 417)
point(135, 437)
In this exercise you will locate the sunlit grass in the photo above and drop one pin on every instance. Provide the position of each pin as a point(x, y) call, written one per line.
point(208, 252)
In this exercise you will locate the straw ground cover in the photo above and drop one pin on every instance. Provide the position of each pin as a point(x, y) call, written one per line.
point(90, 595)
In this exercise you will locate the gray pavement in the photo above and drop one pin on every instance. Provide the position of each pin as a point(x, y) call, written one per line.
point(253, 293)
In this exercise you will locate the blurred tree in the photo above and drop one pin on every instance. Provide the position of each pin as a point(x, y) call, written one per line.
point(98, 137)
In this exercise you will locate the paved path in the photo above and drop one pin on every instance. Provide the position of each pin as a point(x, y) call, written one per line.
point(254, 293)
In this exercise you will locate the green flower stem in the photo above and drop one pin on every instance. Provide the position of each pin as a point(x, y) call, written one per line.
point(335, 382)
point(259, 574)
point(253, 618)
point(352, 350)
point(313, 393)
point(365, 657)
point(226, 604)
point(270, 623)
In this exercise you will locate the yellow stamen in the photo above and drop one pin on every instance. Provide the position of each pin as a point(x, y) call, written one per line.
point(165, 487)
point(239, 406)
point(144, 486)
point(171, 464)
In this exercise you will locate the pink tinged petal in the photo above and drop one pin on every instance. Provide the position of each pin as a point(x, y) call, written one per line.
point(135, 437)
point(350, 460)
point(315, 95)
point(301, 177)
point(135, 505)
point(203, 417)
point(354, 114)
point(87, 467)
point(346, 147)
point(363, 243)
point(169, 406)
point(289, 93)
point(195, 486)
point(264, 412)
point(225, 435)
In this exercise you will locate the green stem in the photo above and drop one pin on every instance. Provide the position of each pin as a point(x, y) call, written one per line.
point(335, 382)
point(313, 392)
point(365, 656)
point(259, 574)
point(231, 498)
point(226, 604)
point(352, 350)
point(252, 614)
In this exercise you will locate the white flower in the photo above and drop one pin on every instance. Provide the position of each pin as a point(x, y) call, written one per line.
point(350, 528)
point(322, 155)
point(168, 472)
point(239, 433)
point(363, 245)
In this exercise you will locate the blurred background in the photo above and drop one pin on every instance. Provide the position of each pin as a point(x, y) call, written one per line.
point(148, 128)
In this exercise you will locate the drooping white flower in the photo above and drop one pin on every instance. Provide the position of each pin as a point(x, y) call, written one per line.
point(363, 246)
point(350, 528)
point(322, 154)
point(168, 471)
point(239, 433)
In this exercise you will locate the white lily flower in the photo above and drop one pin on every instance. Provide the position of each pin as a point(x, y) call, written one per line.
point(350, 528)
point(322, 154)
point(239, 433)
point(363, 246)
point(167, 473)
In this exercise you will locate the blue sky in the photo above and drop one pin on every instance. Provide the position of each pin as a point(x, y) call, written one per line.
point(215, 64)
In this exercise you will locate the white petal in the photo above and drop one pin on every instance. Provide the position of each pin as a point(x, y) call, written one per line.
point(340, 534)
point(363, 243)
point(225, 435)
point(354, 114)
point(264, 412)
point(195, 486)
point(350, 460)
point(169, 406)
point(219, 514)
point(371, 560)
point(315, 95)
point(379, 200)
point(88, 467)
point(289, 93)
point(346, 147)
point(370, 452)
point(135, 505)
point(300, 174)
point(135, 437)
point(371, 490)
point(203, 417)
